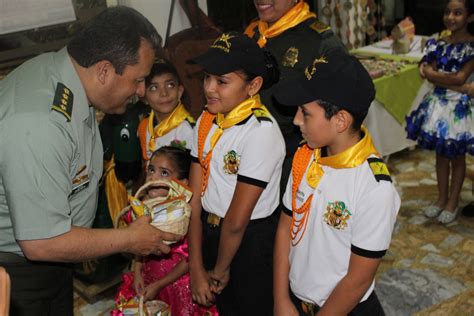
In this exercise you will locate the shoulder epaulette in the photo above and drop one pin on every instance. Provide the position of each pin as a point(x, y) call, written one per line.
point(379, 168)
point(262, 115)
point(319, 26)
point(191, 120)
point(63, 101)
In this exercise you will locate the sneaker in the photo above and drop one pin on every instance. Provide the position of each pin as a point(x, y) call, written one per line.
point(447, 217)
point(432, 211)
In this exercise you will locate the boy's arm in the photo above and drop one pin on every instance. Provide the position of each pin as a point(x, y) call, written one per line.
point(200, 288)
point(281, 269)
point(448, 79)
point(233, 228)
point(348, 292)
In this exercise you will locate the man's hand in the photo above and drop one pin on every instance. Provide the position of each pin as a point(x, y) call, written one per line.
point(146, 239)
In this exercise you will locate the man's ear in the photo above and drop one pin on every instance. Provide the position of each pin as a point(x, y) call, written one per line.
point(104, 69)
point(344, 120)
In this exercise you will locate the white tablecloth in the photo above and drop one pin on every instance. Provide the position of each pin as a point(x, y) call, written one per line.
point(388, 134)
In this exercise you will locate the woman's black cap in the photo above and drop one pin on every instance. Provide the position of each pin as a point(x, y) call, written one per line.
point(232, 52)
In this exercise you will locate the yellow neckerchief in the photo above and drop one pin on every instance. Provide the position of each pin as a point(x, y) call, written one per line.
point(350, 158)
point(115, 190)
point(299, 13)
point(176, 117)
point(237, 115)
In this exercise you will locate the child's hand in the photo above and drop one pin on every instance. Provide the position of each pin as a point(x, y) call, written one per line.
point(219, 280)
point(422, 68)
point(138, 283)
point(284, 308)
point(201, 288)
point(151, 291)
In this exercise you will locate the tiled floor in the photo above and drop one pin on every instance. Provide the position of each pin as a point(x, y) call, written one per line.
point(429, 269)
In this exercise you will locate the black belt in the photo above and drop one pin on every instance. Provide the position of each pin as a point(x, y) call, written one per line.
point(8, 257)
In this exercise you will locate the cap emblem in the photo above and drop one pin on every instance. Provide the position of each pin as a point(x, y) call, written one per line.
point(309, 72)
point(223, 42)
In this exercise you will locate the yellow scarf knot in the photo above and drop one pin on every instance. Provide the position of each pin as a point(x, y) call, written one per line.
point(299, 13)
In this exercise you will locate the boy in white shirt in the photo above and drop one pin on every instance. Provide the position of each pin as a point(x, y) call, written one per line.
point(340, 204)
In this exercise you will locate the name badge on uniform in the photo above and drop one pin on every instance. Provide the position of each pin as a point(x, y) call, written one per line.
point(81, 186)
point(80, 182)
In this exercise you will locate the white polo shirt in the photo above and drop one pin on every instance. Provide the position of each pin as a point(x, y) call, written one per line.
point(182, 132)
point(251, 152)
point(321, 259)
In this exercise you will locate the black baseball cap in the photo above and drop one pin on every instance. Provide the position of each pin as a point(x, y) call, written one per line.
point(338, 78)
point(230, 52)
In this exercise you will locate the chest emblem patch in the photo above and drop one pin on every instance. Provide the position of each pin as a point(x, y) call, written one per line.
point(231, 162)
point(291, 57)
point(336, 215)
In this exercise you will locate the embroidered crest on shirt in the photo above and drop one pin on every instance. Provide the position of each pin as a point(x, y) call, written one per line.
point(231, 162)
point(336, 215)
point(291, 57)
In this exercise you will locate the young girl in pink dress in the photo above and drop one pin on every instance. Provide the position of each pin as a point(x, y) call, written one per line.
point(166, 277)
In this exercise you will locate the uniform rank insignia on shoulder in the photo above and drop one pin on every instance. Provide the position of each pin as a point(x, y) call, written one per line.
point(320, 27)
point(63, 100)
point(379, 168)
point(262, 115)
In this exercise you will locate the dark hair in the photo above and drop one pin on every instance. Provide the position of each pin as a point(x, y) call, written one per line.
point(469, 5)
point(162, 67)
point(330, 110)
point(114, 35)
point(181, 158)
point(271, 66)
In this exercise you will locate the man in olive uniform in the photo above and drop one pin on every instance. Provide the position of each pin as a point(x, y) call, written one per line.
point(291, 32)
point(51, 158)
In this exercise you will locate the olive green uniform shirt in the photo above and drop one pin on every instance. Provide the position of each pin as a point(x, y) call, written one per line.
point(294, 50)
point(51, 152)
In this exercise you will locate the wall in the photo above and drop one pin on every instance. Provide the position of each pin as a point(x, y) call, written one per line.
point(157, 11)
